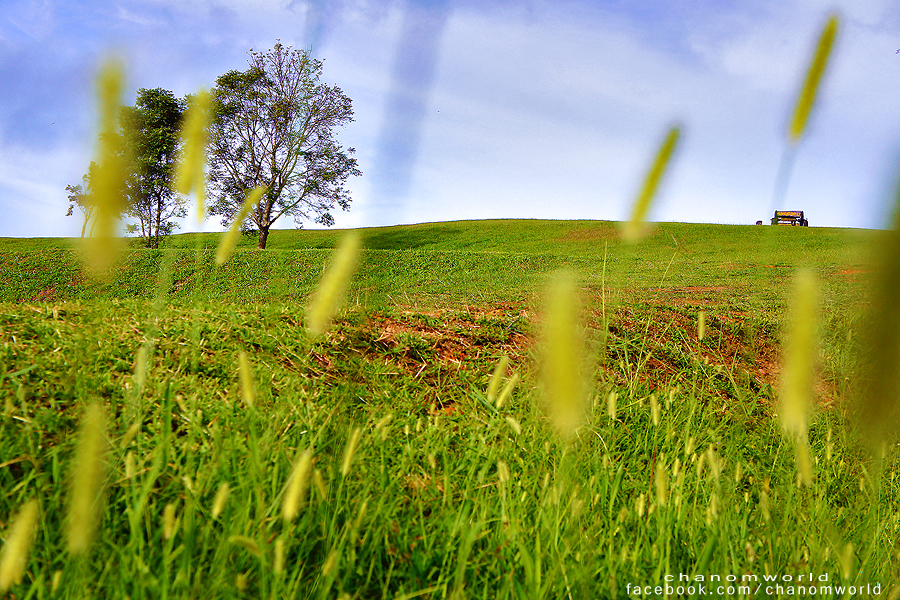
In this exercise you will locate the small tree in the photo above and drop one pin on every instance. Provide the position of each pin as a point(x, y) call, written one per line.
point(80, 196)
point(273, 127)
point(151, 130)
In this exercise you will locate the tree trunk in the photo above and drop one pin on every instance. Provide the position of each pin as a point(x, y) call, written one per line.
point(263, 236)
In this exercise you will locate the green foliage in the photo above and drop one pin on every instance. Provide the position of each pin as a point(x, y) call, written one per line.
point(151, 130)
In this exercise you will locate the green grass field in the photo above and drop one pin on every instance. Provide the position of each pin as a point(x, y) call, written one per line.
point(418, 485)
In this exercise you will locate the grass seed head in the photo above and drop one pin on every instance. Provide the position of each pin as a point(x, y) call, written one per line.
point(140, 367)
point(129, 436)
point(817, 67)
point(319, 482)
point(328, 295)
point(88, 473)
point(381, 427)
point(331, 563)
point(220, 499)
point(502, 471)
point(129, 465)
point(701, 325)
point(170, 521)
point(19, 537)
point(499, 372)
point(514, 425)
point(350, 451)
point(298, 484)
point(661, 483)
point(230, 239)
point(278, 562)
point(248, 543)
point(507, 390)
point(634, 228)
point(611, 405)
point(654, 409)
point(248, 390)
point(876, 407)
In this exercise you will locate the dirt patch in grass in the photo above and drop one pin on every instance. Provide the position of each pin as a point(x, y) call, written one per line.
point(587, 235)
point(662, 344)
point(449, 337)
point(691, 295)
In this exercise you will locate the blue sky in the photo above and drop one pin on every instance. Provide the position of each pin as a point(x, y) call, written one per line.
point(467, 109)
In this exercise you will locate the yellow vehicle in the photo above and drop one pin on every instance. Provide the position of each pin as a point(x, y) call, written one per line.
point(789, 217)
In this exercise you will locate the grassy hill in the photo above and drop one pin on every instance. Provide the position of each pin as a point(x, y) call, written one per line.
point(377, 460)
point(454, 262)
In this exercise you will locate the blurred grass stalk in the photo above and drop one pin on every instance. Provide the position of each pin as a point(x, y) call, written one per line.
point(806, 99)
point(86, 492)
point(798, 372)
point(563, 364)
point(636, 226)
point(108, 182)
point(190, 175)
point(877, 397)
point(814, 73)
point(329, 293)
point(230, 239)
point(19, 536)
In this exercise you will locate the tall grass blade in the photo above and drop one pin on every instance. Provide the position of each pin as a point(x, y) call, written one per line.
point(329, 293)
point(230, 239)
point(18, 539)
point(88, 473)
point(635, 227)
point(814, 74)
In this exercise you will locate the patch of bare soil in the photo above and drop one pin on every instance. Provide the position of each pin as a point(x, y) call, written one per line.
point(587, 235)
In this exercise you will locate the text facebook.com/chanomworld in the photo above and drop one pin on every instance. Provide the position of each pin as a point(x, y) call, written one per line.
point(804, 584)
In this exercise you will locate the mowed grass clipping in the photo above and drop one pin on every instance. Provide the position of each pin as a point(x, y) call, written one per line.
point(408, 452)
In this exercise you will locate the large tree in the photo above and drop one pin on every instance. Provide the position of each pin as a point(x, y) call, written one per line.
point(151, 129)
point(273, 127)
